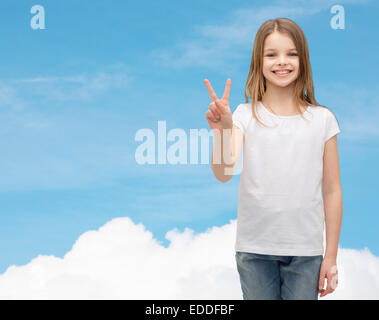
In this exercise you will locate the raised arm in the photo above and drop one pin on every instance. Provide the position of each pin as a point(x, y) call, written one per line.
point(228, 138)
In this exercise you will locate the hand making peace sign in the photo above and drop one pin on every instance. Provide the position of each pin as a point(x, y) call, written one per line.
point(219, 115)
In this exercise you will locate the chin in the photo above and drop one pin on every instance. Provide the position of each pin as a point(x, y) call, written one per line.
point(282, 84)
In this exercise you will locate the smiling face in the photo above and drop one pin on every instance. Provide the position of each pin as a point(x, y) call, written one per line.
point(280, 54)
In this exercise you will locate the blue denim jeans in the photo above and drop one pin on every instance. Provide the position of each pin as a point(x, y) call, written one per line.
point(267, 277)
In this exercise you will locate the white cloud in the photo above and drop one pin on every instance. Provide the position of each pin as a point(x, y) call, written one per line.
point(9, 98)
point(81, 87)
point(122, 260)
point(79, 79)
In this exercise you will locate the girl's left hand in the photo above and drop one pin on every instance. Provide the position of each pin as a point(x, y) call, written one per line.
point(329, 271)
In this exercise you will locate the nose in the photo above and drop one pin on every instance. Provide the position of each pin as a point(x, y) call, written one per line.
point(282, 60)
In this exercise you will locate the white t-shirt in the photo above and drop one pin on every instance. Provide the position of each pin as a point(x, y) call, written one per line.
point(280, 205)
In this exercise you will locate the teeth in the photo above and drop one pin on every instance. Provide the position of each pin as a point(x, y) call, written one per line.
point(282, 72)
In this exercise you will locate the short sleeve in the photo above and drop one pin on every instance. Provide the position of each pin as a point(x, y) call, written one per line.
point(241, 117)
point(331, 125)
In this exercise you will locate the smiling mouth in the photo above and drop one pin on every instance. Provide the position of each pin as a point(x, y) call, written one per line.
point(283, 73)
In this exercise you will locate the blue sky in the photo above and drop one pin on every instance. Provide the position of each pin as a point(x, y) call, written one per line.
point(73, 96)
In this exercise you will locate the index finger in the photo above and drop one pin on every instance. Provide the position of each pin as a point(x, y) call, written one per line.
point(211, 92)
point(227, 89)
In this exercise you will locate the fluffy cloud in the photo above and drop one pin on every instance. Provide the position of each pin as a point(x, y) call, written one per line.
point(122, 260)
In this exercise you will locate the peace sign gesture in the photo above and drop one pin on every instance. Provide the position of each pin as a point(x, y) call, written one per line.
point(219, 115)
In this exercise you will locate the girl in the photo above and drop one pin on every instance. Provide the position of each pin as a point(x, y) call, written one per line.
point(290, 149)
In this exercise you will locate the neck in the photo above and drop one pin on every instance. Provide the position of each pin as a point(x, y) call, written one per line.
point(279, 99)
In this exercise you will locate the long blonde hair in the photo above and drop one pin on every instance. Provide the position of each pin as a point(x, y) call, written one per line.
point(256, 83)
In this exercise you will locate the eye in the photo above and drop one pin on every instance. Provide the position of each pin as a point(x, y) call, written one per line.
point(291, 54)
